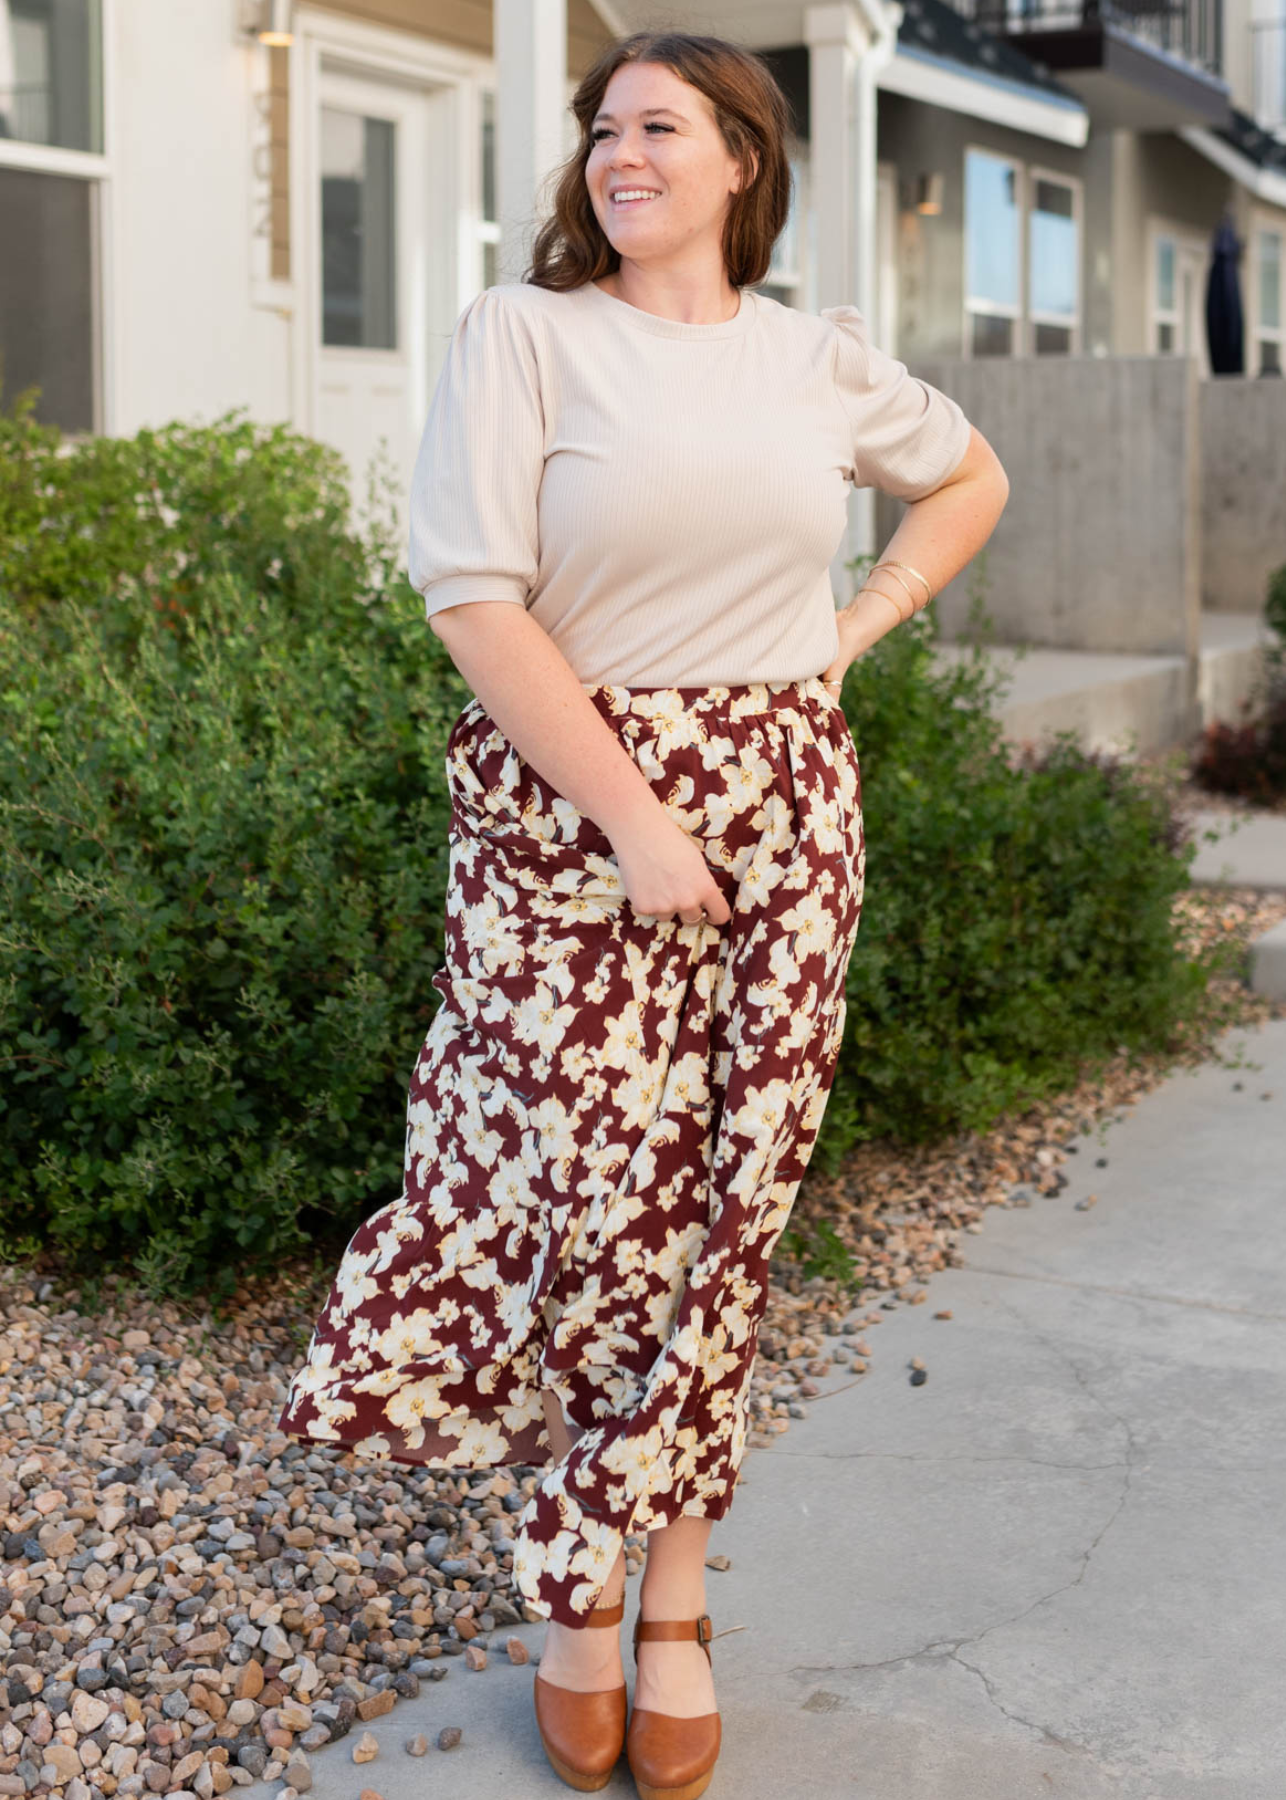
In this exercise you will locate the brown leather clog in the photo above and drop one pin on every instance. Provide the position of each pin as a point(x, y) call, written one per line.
point(672, 1758)
point(583, 1733)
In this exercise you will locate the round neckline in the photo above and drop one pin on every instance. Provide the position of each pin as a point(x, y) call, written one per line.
point(676, 328)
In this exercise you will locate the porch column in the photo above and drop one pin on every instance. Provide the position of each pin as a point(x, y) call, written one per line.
point(530, 40)
point(847, 42)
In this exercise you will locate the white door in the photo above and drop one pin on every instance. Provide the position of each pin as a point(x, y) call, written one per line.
point(1193, 262)
point(375, 280)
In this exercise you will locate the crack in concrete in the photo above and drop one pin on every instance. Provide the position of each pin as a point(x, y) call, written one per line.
point(1044, 1462)
point(947, 1649)
point(1054, 1739)
point(1102, 1287)
point(1131, 1456)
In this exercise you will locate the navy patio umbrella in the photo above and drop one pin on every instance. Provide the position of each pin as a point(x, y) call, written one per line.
point(1223, 302)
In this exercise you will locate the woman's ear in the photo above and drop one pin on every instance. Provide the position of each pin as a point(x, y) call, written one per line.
point(754, 170)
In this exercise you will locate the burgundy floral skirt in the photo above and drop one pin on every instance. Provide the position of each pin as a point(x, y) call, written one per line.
point(607, 1126)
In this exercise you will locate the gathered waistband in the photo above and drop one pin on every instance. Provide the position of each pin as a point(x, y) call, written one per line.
point(737, 698)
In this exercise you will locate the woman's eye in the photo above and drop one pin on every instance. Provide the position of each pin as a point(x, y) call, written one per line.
point(652, 125)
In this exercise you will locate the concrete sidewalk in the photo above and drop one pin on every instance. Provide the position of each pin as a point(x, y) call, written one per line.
point(1057, 1568)
point(1250, 851)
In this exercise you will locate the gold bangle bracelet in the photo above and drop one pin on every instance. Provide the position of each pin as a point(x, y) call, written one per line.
point(905, 589)
point(889, 562)
point(902, 617)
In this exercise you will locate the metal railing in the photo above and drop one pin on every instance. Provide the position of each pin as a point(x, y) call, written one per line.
point(1191, 29)
point(24, 112)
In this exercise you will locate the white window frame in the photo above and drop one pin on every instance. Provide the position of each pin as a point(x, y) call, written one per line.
point(992, 309)
point(1260, 332)
point(1158, 226)
point(373, 49)
point(97, 168)
point(1159, 315)
point(1032, 318)
point(1024, 317)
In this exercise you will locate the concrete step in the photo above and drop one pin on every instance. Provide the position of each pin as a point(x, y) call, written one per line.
point(1268, 963)
point(1250, 851)
point(1111, 701)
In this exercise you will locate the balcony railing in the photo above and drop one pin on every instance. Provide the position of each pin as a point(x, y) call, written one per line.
point(1191, 29)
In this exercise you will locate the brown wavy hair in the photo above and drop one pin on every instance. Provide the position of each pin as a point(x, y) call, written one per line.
point(752, 114)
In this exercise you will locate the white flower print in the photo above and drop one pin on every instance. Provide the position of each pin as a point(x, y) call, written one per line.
point(608, 1122)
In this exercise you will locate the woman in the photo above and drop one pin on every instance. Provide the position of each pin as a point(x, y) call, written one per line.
point(628, 494)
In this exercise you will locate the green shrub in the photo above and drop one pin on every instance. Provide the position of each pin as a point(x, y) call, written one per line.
point(221, 884)
point(136, 527)
point(1017, 923)
point(223, 854)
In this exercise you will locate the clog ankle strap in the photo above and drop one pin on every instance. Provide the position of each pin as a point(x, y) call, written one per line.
point(650, 1630)
point(608, 1615)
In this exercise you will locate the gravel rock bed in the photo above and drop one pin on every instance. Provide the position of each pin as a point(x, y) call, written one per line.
point(190, 1600)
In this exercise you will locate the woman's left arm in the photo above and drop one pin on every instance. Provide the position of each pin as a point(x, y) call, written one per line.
point(939, 534)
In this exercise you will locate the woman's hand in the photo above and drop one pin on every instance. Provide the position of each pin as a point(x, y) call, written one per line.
point(664, 872)
point(854, 638)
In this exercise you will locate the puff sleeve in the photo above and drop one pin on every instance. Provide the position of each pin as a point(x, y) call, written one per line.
point(472, 531)
point(906, 435)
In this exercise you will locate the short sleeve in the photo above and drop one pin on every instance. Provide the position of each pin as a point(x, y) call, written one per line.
point(906, 435)
point(474, 488)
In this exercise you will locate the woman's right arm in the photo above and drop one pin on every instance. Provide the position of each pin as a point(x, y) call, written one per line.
point(473, 551)
point(527, 686)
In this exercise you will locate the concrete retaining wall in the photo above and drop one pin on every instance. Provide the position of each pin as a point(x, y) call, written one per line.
point(1243, 494)
point(1099, 547)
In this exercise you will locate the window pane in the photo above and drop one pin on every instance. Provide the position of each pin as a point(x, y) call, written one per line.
point(1053, 340)
point(357, 231)
point(1165, 337)
point(992, 337)
point(51, 73)
point(1053, 250)
point(46, 296)
point(992, 228)
point(1165, 275)
point(1270, 279)
point(1270, 358)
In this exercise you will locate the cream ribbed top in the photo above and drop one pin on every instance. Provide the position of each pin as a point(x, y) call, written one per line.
point(664, 498)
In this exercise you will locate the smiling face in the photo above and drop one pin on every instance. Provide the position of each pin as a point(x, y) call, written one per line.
point(655, 134)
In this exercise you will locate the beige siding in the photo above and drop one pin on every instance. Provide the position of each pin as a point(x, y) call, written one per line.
point(463, 23)
point(587, 37)
point(467, 24)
